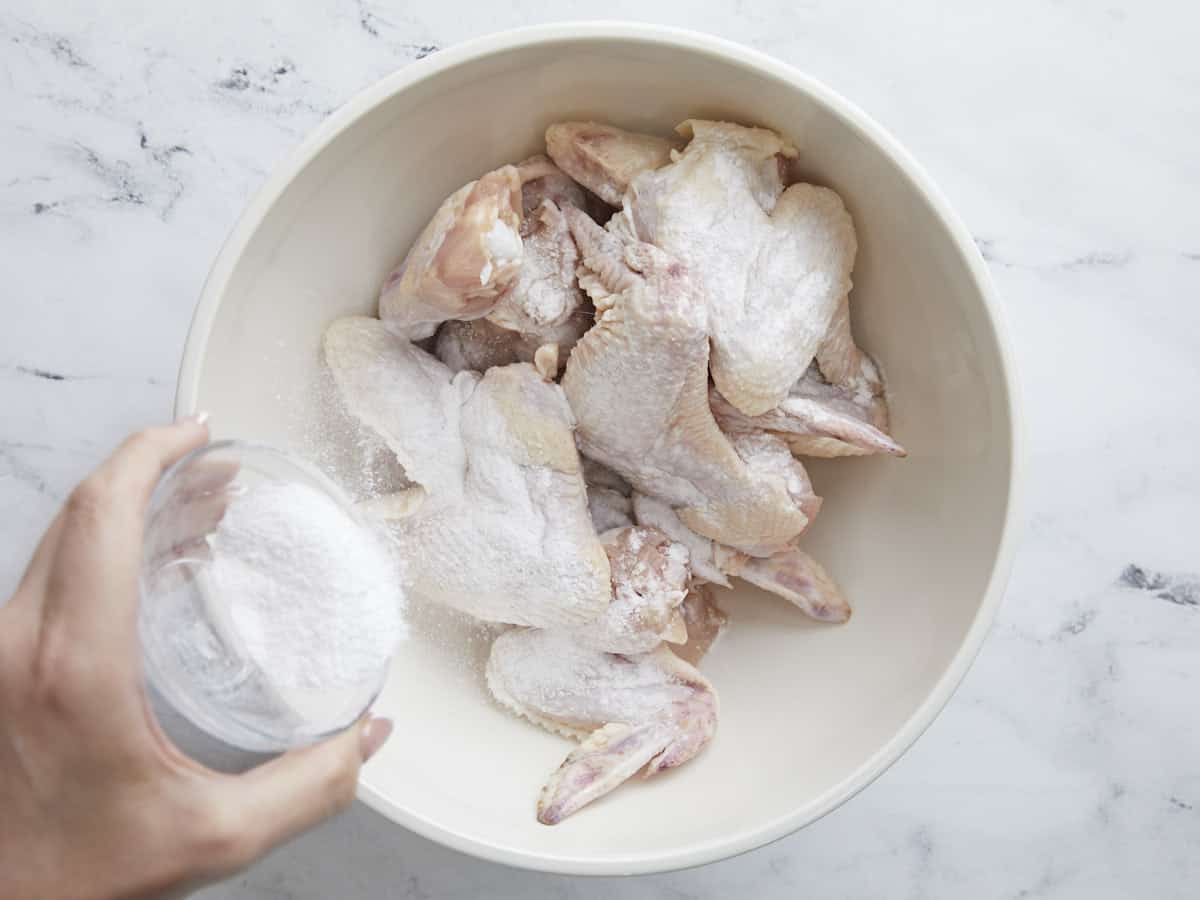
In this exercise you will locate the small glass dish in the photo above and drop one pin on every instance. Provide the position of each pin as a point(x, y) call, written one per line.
point(192, 652)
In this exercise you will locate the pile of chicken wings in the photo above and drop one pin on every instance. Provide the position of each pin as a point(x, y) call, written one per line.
point(598, 368)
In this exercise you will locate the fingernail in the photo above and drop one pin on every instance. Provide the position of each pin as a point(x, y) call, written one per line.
point(374, 732)
point(194, 419)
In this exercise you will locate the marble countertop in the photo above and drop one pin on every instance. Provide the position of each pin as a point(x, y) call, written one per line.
point(1065, 133)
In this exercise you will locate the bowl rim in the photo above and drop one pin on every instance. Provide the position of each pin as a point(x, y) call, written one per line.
point(854, 118)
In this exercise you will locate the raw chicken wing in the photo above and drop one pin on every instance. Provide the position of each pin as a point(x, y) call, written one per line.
point(774, 264)
point(649, 578)
point(504, 532)
point(820, 419)
point(789, 572)
point(545, 304)
point(709, 559)
point(638, 385)
point(650, 711)
point(465, 260)
point(605, 159)
point(800, 579)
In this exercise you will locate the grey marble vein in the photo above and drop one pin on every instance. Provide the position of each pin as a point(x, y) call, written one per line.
point(13, 466)
point(1182, 590)
point(50, 375)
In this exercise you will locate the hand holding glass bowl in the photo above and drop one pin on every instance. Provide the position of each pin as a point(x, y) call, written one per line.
point(95, 797)
point(195, 638)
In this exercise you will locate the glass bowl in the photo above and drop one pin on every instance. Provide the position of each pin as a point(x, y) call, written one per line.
point(192, 651)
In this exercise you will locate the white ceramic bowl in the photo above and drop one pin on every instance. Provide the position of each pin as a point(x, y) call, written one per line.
point(810, 713)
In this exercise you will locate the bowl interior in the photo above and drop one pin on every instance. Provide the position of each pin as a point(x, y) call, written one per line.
point(809, 713)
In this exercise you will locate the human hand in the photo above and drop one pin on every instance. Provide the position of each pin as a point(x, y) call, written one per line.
point(95, 801)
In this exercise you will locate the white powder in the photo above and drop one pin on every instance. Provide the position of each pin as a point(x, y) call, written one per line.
point(503, 245)
point(313, 596)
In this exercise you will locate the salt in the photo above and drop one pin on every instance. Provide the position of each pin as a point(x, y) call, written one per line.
point(313, 596)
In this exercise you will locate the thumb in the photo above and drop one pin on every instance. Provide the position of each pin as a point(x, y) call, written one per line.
point(276, 801)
